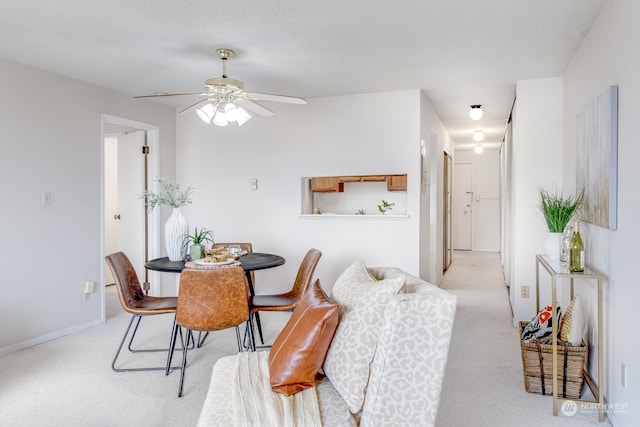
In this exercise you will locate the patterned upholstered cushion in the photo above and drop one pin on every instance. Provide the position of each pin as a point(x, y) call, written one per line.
point(540, 326)
point(408, 368)
point(362, 302)
point(572, 327)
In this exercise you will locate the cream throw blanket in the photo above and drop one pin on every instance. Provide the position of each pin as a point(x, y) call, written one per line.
point(255, 404)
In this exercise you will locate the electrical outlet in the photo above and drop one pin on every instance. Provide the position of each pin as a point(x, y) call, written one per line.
point(623, 375)
point(253, 184)
point(524, 291)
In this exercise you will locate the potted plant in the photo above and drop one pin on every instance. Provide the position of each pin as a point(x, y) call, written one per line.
point(385, 206)
point(557, 209)
point(197, 240)
point(176, 226)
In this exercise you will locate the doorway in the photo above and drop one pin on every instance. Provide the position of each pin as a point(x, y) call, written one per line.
point(130, 159)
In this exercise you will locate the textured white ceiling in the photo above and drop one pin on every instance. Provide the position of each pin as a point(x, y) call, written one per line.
point(459, 52)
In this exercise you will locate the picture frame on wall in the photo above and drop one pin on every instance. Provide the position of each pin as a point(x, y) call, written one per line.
point(597, 159)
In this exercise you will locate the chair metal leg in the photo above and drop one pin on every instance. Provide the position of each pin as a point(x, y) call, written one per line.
point(172, 345)
point(184, 358)
point(259, 327)
point(202, 338)
point(249, 342)
point(137, 317)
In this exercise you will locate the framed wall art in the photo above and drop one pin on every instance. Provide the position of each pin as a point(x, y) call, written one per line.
point(597, 159)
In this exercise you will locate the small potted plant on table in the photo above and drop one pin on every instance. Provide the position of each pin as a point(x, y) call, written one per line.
point(198, 240)
point(557, 209)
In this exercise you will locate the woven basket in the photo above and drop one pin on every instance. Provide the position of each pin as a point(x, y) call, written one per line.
point(537, 357)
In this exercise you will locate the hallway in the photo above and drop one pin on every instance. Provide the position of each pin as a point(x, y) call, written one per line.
point(483, 384)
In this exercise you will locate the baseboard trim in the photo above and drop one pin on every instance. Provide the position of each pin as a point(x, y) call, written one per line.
point(48, 337)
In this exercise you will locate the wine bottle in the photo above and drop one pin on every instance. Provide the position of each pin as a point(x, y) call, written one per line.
point(576, 251)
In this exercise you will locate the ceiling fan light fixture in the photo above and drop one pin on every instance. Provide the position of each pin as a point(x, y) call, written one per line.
point(478, 136)
point(206, 113)
point(475, 113)
point(231, 112)
point(220, 118)
point(243, 117)
point(224, 95)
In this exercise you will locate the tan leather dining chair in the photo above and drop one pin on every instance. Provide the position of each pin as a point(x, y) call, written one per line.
point(209, 300)
point(135, 301)
point(288, 300)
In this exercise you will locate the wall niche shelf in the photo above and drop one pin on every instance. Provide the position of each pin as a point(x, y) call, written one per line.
point(365, 216)
point(354, 195)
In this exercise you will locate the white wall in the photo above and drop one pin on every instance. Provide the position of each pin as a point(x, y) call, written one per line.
point(609, 56)
point(349, 135)
point(51, 141)
point(537, 161)
point(434, 141)
point(486, 197)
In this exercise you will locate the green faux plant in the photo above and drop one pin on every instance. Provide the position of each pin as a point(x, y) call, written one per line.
point(169, 195)
point(198, 237)
point(385, 206)
point(558, 208)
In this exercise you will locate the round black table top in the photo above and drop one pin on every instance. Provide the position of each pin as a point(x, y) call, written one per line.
point(250, 262)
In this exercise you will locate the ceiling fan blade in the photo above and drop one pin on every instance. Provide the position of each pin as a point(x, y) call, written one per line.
point(172, 94)
point(257, 96)
point(195, 106)
point(254, 107)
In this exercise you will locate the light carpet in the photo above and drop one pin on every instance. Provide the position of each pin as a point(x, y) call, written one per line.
point(68, 382)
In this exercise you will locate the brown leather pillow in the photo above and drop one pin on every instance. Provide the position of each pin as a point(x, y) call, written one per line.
point(298, 352)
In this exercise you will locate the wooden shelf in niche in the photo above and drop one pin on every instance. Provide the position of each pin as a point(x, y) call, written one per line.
point(327, 184)
point(335, 184)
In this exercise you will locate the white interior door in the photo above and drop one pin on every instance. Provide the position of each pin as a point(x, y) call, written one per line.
point(130, 215)
point(110, 200)
point(462, 206)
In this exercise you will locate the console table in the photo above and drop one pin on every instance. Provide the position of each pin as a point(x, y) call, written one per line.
point(558, 271)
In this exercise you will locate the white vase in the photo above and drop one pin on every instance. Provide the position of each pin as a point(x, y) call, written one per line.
point(552, 245)
point(175, 230)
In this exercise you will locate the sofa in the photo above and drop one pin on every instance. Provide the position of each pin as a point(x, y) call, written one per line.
point(384, 368)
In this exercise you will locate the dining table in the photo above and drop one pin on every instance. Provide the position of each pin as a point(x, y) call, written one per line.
point(249, 262)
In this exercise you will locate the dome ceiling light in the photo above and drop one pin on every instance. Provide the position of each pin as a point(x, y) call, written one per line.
point(475, 113)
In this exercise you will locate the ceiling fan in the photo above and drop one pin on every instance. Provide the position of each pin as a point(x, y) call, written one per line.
point(226, 100)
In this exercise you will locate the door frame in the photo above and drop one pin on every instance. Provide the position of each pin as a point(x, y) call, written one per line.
point(447, 200)
point(153, 170)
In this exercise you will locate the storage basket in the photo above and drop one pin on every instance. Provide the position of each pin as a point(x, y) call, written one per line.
point(537, 357)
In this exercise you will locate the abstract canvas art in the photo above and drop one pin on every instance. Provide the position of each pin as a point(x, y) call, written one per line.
point(597, 159)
